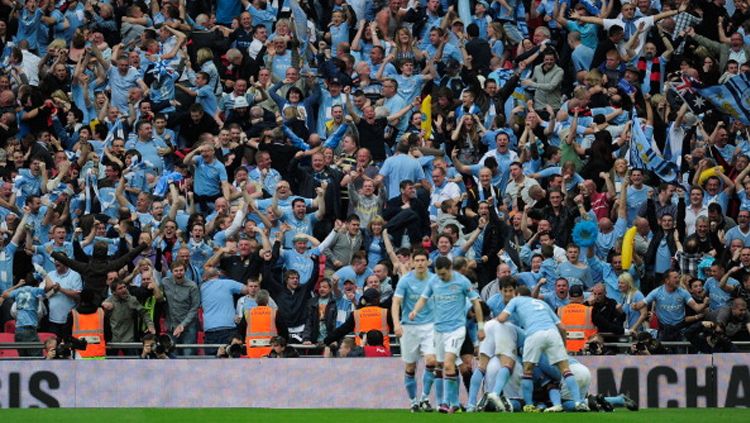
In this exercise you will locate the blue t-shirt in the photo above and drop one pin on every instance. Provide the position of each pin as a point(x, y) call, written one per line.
point(209, 177)
point(304, 225)
point(348, 273)
point(149, 150)
point(29, 25)
point(636, 198)
point(736, 233)
point(717, 297)
point(27, 303)
point(120, 84)
point(449, 301)
point(670, 306)
point(218, 303)
point(575, 275)
point(409, 289)
point(398, 168)
point(206, 98)
point(533, 315)
point(631, 316)
point(226, 10)
point(302, 263)
point(6, 265)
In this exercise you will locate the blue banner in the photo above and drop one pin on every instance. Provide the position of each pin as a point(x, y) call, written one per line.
point(731, 98)
point(644, 156)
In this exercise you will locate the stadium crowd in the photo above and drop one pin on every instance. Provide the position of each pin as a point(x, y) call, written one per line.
point(219, 170)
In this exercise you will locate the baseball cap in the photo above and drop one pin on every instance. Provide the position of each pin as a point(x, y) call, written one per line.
point(299, 237)
point(348, 281)
point(576, 291)
point(334, 80)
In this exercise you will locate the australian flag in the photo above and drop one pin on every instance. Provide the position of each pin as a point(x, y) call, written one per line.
point(732, 97)
point(688, 90)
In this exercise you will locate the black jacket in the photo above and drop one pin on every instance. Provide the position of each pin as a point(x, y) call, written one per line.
point(659, 234)
point(393, 207)
point(606, 317)
point(312, 327)
point(94, 271)
point(292, 310)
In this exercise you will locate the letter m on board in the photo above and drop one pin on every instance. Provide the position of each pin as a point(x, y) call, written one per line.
point(607, 385)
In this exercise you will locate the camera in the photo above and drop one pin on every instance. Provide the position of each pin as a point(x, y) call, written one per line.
point(593, 348)
point(236, 350)
point(164, 345)
point(66, 347)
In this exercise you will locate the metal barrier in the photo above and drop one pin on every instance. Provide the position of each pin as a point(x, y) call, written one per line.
point(308, 349)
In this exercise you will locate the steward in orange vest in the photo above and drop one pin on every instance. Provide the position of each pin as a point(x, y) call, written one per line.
point(576, 319)
point(260, 327)
point(87, 323)
point(369, 317)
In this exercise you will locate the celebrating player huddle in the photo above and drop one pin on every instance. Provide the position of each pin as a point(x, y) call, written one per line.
point(522, 362)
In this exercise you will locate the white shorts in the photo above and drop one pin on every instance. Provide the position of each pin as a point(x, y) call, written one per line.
point(417, 341)
point(548, 342)
point(449, 342)
point(512, 388)
point(583, 378)
point(499, 339)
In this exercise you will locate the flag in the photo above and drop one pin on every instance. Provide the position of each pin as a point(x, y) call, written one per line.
point(300, 22)
point(687, 90)
point(161, 69)
point(116, 131)
point(644, 156)
point(592, 7)
point(426, 110)
point(732, 97)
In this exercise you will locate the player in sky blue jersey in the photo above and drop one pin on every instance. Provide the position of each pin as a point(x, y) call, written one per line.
point(416, 336)
point(449, 292)
point(544, 335)
point(500, 341)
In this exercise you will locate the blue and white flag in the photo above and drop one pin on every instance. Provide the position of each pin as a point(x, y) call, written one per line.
point(732, 97)
point(644, 156)
point(161, 69)
point(116, 131)
point(300, 22)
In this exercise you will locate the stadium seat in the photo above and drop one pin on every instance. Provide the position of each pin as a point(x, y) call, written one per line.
point(44, 336)
point(200, 339)
point(8, 337)
point(10, 326)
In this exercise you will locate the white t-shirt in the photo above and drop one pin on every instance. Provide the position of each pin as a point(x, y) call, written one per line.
point(630, 29)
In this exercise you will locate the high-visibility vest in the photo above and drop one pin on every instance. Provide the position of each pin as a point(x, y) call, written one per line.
point(261, 327)
point(576, 319)
point(91, 328)
point(371, 318)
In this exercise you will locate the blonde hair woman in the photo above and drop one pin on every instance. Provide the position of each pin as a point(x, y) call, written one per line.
point(404, 48)
point(630, 295)
point(204, 58)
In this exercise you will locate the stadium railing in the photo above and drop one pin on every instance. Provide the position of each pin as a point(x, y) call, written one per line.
point(308, 351)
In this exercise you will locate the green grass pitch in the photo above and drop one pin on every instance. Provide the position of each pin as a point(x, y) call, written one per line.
point(204, 415)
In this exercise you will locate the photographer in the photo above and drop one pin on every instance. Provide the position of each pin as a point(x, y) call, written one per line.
point(235, 349)
point(279, 349)
point(595, 346)
point(645, 344)
point(153, 350)
point(721, 328)
point(50, 349)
